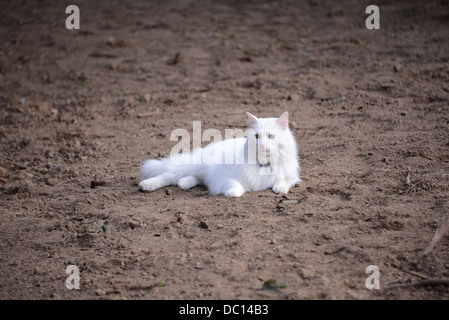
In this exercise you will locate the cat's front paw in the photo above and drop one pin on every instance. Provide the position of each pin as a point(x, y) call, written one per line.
point(149, 184)
point(280, 188)
point(234, 192)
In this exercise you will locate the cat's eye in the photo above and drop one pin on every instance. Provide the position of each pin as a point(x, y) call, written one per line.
point(257, 136)
point(271, 136)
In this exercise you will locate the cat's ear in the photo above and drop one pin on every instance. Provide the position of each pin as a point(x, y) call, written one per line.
point(252, 120)
point(282, 121)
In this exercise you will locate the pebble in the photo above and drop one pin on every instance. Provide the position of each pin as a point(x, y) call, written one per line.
point(216, 245)
point(293, 97)
point(204, 225)
point(133, 224)
point(100, 292)
point(43, 106)
point(290, 201)
point(112, 42)
point(77, 144)
point(51, 181)
point(306, 273)
point(113, 66)
point(55, 296)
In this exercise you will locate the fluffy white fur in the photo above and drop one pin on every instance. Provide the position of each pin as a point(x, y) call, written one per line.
point(274, 139)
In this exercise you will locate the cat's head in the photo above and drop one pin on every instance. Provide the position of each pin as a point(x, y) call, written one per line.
point(268, 136)
point(269, 132)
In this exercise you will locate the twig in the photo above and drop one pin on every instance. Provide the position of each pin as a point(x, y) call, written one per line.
point(330, 47)
point(70, 224)
point(423, 283)
point(439, 234)
point(228, 114)
point(95, 183)
point(415, 273)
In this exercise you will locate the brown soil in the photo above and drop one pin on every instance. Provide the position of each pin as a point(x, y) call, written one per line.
point(369, 109)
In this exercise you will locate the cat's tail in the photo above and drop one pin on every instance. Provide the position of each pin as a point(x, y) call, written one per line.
point(153, 168)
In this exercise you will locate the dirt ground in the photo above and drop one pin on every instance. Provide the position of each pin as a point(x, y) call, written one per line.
point(369, 110)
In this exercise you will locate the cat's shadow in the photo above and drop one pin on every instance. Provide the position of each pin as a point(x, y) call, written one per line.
point(197, 192)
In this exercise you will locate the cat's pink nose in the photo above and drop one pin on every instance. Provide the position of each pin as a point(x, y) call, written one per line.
point(262, 145)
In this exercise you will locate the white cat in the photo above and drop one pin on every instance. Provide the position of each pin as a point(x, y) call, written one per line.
point(266, 158)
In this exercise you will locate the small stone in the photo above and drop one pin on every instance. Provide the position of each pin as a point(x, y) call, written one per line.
point(147, 97)
point(113, 66)
point(55, 296)
point(397, 67)
point(100, 292)
point(43, 106)
point(47, 78)
point(306, 273)
point(204, 225)
point(77, 144)
point(290, 201)
point(216, 245)
point(118, 262)
point(112, 42)
point(51, 181)
point(133, 224)
point(357, 41)
point(179, 216)
point(326, 237)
